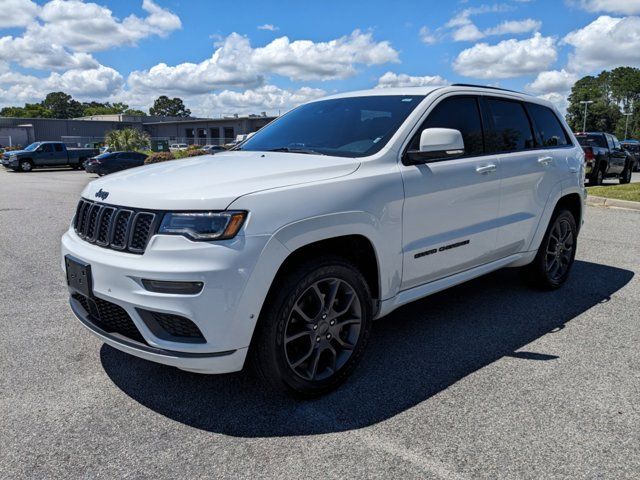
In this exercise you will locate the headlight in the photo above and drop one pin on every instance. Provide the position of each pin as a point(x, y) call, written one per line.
point(203, 225)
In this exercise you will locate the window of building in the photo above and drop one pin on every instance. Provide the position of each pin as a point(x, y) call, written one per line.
point(229, 134)
point(512, 128)
point(459, 113)
point(214, 133)
point(549, 131)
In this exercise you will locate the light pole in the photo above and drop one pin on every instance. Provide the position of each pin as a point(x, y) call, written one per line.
point(626, 125)
point(584, 120)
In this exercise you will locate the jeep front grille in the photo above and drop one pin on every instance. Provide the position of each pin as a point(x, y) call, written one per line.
point(118, 228)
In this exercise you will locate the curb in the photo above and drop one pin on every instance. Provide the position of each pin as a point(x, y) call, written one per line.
point(612, 202)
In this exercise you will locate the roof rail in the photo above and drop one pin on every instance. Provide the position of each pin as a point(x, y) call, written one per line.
point(482, 86)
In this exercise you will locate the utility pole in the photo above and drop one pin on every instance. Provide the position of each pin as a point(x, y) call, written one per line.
point(584, 120)
point(626, 126)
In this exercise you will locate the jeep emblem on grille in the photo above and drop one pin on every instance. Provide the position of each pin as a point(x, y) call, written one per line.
point(101, 194)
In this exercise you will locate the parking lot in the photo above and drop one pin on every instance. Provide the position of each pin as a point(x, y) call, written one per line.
point(487, 379)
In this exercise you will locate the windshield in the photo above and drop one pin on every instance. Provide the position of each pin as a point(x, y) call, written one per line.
point(32, 147)
point(344, 127)
point(592, 140)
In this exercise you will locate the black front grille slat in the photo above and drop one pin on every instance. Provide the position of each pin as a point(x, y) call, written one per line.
point(140, 231)
point(120, 229)
point(104, 226)
point(113, 227)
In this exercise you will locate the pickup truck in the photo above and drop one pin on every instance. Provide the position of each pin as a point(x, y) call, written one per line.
point(605, 158)
point(47, 154)
point(633, 147)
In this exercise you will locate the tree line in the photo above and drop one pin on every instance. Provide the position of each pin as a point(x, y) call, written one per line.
point(62, 105)
point(613, 93)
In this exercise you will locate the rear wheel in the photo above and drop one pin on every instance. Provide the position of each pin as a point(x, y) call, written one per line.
point(25, 166)
point(555, 257)
point(314, 331)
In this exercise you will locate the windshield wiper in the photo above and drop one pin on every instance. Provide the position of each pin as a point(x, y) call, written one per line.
point(295, 150)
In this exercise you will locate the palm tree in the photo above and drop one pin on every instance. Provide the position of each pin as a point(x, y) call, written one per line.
point(127, 139)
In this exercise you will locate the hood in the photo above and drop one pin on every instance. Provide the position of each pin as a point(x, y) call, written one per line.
point(14, 152)
point(212, 182)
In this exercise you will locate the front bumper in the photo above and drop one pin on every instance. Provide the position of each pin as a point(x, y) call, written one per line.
point(219, 310)
point(8, 163)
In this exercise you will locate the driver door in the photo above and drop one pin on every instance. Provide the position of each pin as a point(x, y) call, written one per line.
point(450, 215)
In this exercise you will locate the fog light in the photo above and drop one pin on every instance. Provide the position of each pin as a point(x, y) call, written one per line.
point(179, 288)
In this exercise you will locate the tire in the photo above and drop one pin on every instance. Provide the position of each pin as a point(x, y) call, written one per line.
point(553, 262)
point(303, 346)
point(625, 177)
point(597, 177)
point(25, 166)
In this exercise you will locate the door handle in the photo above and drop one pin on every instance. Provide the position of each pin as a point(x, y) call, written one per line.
point(486, 169)
point(545, 160)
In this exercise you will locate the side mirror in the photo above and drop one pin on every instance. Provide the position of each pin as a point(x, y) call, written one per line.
point(437, 144)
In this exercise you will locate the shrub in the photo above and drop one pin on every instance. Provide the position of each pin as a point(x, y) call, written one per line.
point(127, 139)
point(159, 157)
point(195, 153)
point(12, 148)
point(193, 147)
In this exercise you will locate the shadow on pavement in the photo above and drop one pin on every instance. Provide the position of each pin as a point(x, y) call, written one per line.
point(414, 353)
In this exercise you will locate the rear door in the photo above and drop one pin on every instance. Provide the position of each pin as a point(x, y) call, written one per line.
point(529, 169)
point(450, 210)
point(59, 156)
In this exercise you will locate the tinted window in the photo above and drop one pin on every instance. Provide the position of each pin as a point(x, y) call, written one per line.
point(47, 147)
point(512, 128)
point(616, 142)
point(591, 140)
point(549, 131)
point(58, 147)
point(459, 113)
point(345, 127)
point(610, 142)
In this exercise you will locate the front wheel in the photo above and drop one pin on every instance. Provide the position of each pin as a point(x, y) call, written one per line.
point(598, 177)
point(314, 330)
point(25, 166)
point(626, 175)
point(557, 252)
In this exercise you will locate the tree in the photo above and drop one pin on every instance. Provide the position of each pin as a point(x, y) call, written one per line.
point(612, 93)
point(30, 110)
point(62, 105)
point(167, 107)
point(127, 139)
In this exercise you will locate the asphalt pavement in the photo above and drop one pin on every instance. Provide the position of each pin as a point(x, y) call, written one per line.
point(487, 380)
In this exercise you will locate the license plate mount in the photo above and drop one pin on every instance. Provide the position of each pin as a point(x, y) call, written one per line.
point(79, 276)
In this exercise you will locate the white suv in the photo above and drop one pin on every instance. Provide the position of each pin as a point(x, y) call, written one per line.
point(286, 249)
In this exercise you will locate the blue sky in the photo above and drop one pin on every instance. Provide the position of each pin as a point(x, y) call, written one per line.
point(222, 57)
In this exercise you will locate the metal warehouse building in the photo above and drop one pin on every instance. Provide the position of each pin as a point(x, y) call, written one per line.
point(80, 131)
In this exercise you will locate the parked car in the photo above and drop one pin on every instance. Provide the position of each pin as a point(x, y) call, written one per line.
point(337, 213)
point(633, 147)
point(46, 154)
point(211, 149)
point(174, 147)
point(106, 163)
point(605, 158)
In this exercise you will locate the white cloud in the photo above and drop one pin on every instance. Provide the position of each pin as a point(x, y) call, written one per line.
point(267, 98)
point(515, 27)
point(235, 63)
point(90, 27)
point(37, 52)
point(604, 43)
point(467, 33)
point(427, 36)
point(17, 13)
point(269, 27)
point(390, 80)
point(509, 58)
point(307, 60)
point(553, 81)
point(625, 7)
point(97, 83)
